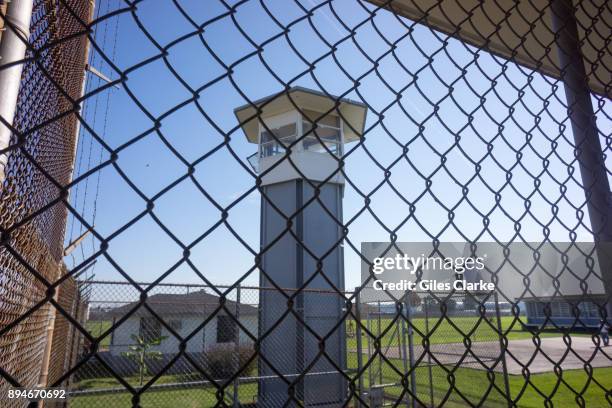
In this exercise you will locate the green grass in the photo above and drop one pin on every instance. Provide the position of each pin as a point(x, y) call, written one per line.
point(111, 382)
point(439, 334)
point(475, 386)
point(200, 397)
point(444, 332)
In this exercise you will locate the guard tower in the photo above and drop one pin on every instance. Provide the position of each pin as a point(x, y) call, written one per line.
point(315, 128)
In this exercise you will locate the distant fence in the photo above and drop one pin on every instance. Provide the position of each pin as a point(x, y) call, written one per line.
point(141, 340)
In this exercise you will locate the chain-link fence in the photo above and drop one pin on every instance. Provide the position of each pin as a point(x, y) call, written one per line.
point(147, 341)
point(428, 344)
point(33, 220)
point(140, 342)
point(404, 120)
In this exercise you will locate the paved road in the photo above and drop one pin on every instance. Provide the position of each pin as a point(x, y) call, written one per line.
point(554, 347)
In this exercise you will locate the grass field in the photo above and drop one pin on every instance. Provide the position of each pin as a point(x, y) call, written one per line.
point(441, 333)
point(473, 384)
point(445, 332)
point(182, 398)
point(476, 388)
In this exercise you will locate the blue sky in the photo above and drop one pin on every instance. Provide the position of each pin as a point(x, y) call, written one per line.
point(145, 251)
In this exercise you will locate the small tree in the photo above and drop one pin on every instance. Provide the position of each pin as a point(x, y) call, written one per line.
point(350, 330)
point(141, 351)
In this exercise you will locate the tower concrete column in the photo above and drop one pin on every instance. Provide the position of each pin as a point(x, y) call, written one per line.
point(303, 338)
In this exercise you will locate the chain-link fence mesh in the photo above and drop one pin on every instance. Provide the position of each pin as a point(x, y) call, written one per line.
point(219, 340)
point(64, 340)
point(428, 343)
point(32, 217)
point(457, 143)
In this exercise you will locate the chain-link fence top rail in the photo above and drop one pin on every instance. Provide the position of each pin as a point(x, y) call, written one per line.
point(465, 145)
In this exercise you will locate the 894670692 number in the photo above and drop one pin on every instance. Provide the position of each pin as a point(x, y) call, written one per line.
point(36, 394)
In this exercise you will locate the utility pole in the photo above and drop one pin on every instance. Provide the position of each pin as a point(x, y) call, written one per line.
point(12, 50)
point(586, 138)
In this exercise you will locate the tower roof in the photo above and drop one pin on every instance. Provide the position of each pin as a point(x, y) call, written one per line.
point(353, 113)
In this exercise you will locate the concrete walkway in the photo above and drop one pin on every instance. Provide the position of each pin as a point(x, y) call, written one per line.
point(556, 349)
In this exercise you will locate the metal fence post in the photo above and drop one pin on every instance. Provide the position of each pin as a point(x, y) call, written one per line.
point(411, 353)
point(403, 350)
point(46, 357)
point(369, 328)
point(431, 393)
point(77, 128)
point(12, 50)
point(586, 138)
point(359, 345)
point(236, 404)
point(502, 349)
point(380, 364)
point(76, 336)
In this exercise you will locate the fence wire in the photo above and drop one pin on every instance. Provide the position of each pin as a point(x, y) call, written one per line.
point(490, 148)
point(38, 171)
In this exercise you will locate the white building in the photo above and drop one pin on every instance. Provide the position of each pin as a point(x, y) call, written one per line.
point(184, 313)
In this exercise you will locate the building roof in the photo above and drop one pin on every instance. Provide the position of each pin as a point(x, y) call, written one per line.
point(352, 112)
point(196, 304)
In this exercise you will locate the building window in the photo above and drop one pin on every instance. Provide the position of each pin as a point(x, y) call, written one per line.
point(530, 309)
point(325, 137)
point(150, 329)
point(564, 309)
point(588, 310)
point(555, 309)
point(227, 329)
point(539, 310)
point(270, 145)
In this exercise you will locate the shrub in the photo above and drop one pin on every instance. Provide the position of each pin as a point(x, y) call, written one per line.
point(220, 360)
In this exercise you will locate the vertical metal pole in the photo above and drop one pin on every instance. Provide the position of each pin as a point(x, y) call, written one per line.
point(411, 353)
point(369, 327)
point(43, 378)
point(299, 270)
point(12, 50)
point(502, 349)
point(586, 138)
point(77, 130)
point(359, 345)
point(380, 365)
point(237, 351)
point(403, 350)
point(112, 334)
point(77, 336)
point(72, 330)
point(431, 393)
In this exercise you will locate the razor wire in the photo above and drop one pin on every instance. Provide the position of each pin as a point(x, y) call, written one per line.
point(41, 159)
